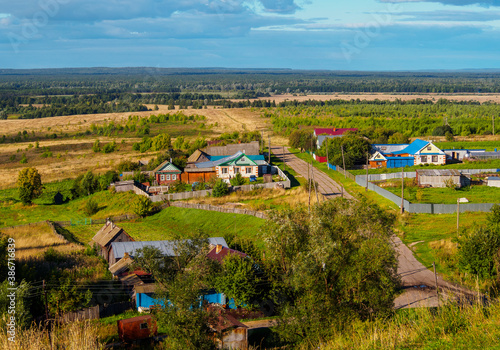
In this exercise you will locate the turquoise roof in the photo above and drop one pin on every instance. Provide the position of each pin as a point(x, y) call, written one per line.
point(168, 167)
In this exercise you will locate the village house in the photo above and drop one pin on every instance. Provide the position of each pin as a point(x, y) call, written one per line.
point(167, 173)
point(322, 134)
point(398, 155)
point(108, 234)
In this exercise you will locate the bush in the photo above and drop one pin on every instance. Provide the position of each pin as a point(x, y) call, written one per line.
point(220, 188)
point(237, 180)
point(109, 147)
point(142, 206)
point(91, 207)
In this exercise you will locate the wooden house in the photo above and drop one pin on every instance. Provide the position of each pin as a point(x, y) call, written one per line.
point(108, 234)
point(137, 328)
point(167, 173)
point(228, 332)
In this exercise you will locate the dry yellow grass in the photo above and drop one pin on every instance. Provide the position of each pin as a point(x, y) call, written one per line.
point(273, 197)
point(34, 240)
point(74, 336)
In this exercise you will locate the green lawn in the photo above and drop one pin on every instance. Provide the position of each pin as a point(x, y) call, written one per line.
point(487, 164)
point(175, 222)
point(475, 194)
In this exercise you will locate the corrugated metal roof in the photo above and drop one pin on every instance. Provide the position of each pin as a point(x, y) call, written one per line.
point(413, 147)
point(493, 178)
point(438, 172)
point(148, 288)
point(166, 247)
point(248, 148)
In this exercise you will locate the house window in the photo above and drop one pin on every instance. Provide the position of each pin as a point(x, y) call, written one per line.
point(236, 170)
point(144, 325)
point(224, 170)
point(162, 177)
point(423, 159)
point(174, 177)
point(168, 177)
point(248, 170)
point(429, 148)
point(434, 159)
point(242, 159)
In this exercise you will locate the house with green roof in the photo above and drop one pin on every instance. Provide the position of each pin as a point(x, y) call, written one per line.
point(239, 163)
point(166, 173)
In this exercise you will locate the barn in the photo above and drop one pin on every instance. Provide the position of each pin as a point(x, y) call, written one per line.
point(108, 234)
point(440, 178)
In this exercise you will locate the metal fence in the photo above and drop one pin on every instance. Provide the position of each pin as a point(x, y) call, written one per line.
point(347, 173)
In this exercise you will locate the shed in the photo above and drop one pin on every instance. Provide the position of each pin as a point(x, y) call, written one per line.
point(137, 328)
point(438, 178)
point(229, 333)
point(494, 181)
point(108, 234)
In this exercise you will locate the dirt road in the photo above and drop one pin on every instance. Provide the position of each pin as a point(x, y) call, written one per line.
point(419, 285)
point(327, 187)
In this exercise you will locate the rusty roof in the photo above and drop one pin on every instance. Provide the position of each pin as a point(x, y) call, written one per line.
point(136, 319)
point(223, 322)
point(223, 252)
point(148, 288)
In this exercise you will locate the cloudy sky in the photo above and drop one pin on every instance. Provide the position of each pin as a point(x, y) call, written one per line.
point(301, 34)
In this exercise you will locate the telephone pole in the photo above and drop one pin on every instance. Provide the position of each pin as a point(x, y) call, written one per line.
point(343, 159)
point(269, 161)
point(367, 158)
point(402, 190)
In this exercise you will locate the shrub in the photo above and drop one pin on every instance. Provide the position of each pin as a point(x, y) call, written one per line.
point(142, 206)
point(220, 188)
point(91, 207)
point(237, 180)
point(96, 147)
point(109, 147)
point(24, 160)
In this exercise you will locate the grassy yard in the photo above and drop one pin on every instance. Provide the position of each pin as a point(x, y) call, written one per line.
point(172, 223)
point(475, 194)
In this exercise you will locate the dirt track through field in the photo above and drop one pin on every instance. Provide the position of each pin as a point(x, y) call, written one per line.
point(419, 284)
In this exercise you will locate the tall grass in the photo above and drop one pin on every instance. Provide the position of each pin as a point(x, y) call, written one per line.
point(452, 326)
point(74, 336)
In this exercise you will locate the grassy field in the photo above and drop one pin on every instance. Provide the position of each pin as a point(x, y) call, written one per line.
point(13, 212)
point(34, 240)
point(172, 223)
point(475, 194)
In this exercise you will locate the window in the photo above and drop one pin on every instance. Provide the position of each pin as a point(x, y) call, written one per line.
point(429, 148)
point(174, 177)
point(162, 177)
point(168, 177)
point(144, 325)
point(434, 159)
point(423, 159)
point(242, 159)
point(224, 170)
point(236, 170)
point(248, 170)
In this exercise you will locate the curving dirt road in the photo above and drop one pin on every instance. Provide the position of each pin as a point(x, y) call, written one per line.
point(419, 284)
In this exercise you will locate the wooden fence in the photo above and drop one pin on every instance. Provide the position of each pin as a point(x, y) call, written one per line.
point(347, 173)
point(96, 312)
point(219, 209)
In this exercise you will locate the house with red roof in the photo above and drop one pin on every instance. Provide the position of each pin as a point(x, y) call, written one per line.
point(322, 134)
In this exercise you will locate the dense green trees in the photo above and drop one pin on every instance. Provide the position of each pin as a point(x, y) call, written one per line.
point(355, 150)
point(332, 266)
point(303, 140)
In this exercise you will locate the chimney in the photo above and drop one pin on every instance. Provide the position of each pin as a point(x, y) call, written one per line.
point(334, 129)
point(125, 255)
point(170, 160)
point(218, 248)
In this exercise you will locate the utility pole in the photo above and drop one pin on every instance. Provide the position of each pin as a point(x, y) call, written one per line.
point(493, 120)
point(269, 136)
point(458, 216)
point(46, 304)
point(367, 156)
point(314, 182)
point(309, 182)
point(402, 189)
point(284, 160)
point(436, 281)
point(343, 159)
point(327, 161)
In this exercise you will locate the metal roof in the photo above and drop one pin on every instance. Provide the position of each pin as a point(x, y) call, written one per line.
point(107, 233)
point(166, 247)
point(167, 166)
point(247, 148)
point(413, 147)
point(438, 172)
point(333, 131)
point(493, 178)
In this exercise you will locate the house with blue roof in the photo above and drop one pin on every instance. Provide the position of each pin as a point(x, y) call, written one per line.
point(416, 153)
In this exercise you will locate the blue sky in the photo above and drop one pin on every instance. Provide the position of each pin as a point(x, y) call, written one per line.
point(300, 34)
